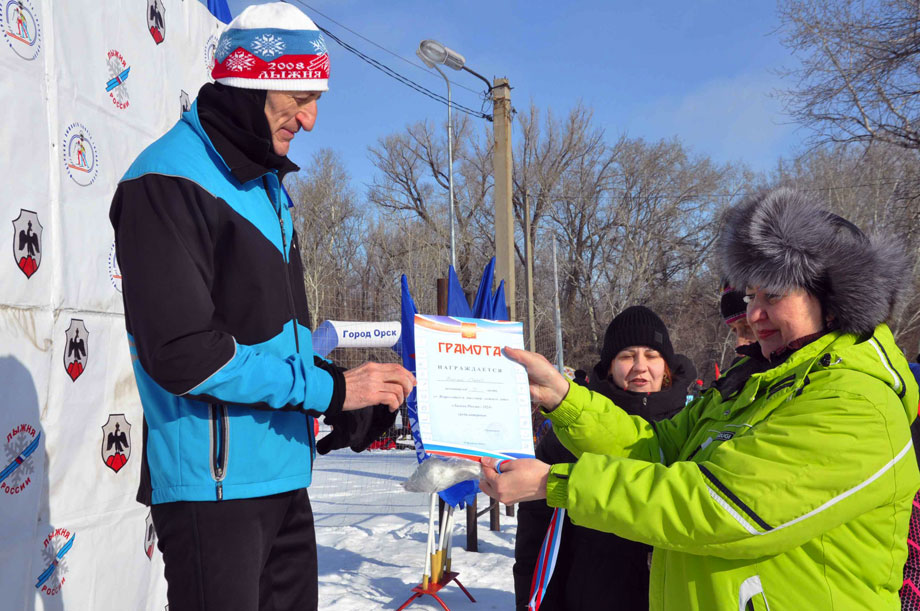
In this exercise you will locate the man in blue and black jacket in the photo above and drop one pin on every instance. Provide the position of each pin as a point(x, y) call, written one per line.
point(219, 330)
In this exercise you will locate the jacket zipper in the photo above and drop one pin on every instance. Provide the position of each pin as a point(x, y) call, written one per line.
point(284, 256)
point(290, 294)
point(220, 436)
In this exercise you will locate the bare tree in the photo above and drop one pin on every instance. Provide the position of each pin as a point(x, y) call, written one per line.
point(549, 148)
point(635, 221)
point(413, 182)
point(859, 78)
point(641, 230)
point(329, 225)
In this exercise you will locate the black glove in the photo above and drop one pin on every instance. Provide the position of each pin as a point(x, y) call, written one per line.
point(355, 429)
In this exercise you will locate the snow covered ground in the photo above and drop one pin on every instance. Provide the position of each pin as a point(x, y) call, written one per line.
point(371, 539)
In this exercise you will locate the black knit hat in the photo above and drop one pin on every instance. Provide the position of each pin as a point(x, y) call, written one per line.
point(635, 326)
point(731, 304)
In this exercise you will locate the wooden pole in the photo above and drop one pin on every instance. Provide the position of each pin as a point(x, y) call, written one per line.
point(502, 168)
point(528, 269)
point(504, 218)
point(442, 296)
point(472, 528)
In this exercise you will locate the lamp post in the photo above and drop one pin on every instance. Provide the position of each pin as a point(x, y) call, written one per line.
point(432, 53)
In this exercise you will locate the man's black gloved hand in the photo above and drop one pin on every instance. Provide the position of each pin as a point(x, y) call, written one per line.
point(355, 429)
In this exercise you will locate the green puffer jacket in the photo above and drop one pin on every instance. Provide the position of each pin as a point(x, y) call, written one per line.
point(792, 494)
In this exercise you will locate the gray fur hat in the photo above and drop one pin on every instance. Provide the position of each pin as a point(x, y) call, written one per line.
point(778, 239)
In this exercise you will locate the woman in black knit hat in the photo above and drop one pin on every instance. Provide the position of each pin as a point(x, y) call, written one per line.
point(640, 372)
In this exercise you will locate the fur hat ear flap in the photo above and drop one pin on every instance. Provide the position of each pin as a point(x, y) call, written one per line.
point(778, 239)
point(865, 281)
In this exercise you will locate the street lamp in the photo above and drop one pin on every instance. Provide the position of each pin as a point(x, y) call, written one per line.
point(432, 53)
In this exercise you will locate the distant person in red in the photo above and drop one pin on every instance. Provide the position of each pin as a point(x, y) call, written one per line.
point(910, 591)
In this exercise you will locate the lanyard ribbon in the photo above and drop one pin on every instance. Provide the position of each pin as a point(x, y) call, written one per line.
point(546, 562)
point(549, 552)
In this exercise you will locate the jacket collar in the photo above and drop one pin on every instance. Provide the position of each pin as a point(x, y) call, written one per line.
point(655, 405)
point(231, 157)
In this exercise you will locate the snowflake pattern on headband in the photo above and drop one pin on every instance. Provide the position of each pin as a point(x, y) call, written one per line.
point(223, 49)
point(268, 46)
point(319, 45)
point(240, 61)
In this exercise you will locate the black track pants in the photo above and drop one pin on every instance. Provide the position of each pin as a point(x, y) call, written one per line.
point(246, 554)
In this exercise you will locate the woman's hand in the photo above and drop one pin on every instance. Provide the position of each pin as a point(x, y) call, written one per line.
point(548, 387)
point(523, 479)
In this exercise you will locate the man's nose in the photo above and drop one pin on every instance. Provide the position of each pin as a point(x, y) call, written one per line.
point(306, 117)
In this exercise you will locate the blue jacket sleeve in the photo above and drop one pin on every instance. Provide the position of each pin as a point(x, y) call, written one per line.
point(266, 380)
point(167, 232)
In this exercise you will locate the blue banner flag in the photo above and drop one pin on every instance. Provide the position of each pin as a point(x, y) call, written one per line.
point(457, 305)
point(499, 305)
point(219, 9)
point(482, 305)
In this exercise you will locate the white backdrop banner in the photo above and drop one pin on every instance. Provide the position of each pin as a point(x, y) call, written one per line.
point(86, 86)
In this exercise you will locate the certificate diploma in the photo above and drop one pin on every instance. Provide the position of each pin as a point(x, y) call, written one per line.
point(473, 401)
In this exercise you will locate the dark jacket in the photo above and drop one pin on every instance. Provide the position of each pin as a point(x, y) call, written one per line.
point(593, 568)
point(216, 311)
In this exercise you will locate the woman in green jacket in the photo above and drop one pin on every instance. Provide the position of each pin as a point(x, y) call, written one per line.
point(790, 491)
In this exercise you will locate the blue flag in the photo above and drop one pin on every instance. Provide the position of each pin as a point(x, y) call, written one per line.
point(457, 305)
point(482, 305)
point(219, 9)
point(406, 349)
point(499, 306)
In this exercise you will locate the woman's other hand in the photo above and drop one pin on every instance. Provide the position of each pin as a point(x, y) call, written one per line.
point(548, 387)
point(523, 479)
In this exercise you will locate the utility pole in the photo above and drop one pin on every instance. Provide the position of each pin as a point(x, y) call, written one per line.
point(528, 270)
point(558, 314)
point(502, 165)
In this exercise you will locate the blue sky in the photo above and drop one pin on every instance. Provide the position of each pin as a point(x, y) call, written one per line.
point(700, 70)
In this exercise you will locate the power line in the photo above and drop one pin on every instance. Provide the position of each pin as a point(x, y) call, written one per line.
point(393, 73)
point(404, 79)
point(381, 47)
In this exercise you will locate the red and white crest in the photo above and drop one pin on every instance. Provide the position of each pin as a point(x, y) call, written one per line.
point(27, 242)
point(116, 442)
point(76, 349)
point(150, 537)
point(156, 20)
